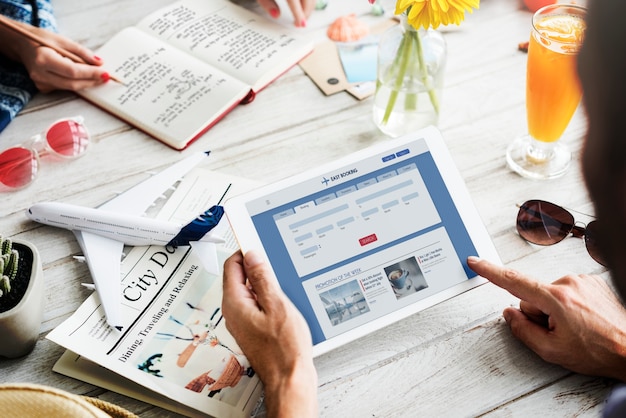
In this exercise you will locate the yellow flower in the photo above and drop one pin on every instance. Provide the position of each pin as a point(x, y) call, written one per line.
point(432, 13)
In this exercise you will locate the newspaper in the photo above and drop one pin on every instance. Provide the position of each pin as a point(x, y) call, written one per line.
point(176, 353)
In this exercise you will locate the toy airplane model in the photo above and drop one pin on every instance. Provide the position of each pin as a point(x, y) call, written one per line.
point(103, 232)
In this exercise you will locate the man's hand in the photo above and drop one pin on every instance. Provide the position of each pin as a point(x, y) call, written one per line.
point(576, 322)
point(272, 334)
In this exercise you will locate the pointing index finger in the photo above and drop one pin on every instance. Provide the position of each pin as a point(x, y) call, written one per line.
point(516, 283)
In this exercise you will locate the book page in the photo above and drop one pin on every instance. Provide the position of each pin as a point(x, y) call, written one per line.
point(166, 93)
point(229, 37)
point(78, 367)
point(174, 342)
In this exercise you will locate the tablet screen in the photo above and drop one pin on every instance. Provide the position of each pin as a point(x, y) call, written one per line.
point(368, 242)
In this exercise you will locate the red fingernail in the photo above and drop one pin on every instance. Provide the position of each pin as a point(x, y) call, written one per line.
point(105, 77)
point(274, 13)
point(303, 23)
point(97, 58)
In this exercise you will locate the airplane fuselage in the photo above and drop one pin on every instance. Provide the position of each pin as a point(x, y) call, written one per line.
point(131, 230)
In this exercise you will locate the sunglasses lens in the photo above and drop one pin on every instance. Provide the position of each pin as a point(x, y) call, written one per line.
point(591, 237)
point(543, 223)
point(18, 167)
point(68, 138)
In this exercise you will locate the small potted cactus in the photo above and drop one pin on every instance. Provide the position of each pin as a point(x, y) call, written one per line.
point(21, 297)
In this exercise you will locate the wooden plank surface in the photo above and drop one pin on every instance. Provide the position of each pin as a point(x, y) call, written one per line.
point(455, 359)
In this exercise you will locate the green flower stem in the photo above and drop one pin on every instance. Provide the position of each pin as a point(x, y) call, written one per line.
point(404, 59)
point(424, 72)
point(400, 62)
point(410, 99)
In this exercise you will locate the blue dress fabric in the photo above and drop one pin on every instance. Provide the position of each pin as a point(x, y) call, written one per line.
point(16, 87)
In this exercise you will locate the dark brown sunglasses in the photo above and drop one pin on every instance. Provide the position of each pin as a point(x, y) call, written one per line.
point(544, 223)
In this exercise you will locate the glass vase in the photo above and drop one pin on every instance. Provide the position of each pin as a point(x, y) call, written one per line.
point(411, 65)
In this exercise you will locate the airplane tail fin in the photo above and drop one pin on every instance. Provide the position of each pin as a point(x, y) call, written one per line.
point(199, 227)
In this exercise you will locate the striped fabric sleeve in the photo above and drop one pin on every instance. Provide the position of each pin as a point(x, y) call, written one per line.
point(16, 87)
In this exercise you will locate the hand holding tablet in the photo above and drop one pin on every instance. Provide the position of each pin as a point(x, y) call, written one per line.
point(338, 235)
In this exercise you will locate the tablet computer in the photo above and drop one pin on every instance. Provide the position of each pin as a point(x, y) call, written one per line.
point(362, 242)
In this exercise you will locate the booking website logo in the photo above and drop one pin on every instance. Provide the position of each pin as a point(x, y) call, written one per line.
point(339, 176)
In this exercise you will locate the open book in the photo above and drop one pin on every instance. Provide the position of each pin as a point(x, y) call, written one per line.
point(186, 65)
point(177, 352)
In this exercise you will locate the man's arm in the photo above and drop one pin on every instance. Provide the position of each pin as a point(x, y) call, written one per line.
point(272, 334)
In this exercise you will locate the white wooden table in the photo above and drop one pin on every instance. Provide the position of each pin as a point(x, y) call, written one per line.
point(455, 359)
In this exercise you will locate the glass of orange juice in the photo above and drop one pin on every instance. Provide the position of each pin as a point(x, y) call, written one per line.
point(553, 91)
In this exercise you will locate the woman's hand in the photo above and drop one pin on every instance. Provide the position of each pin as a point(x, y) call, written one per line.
point(49, 70)
point(301, 9)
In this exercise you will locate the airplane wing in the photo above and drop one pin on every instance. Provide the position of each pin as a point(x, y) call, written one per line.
point(103, 256)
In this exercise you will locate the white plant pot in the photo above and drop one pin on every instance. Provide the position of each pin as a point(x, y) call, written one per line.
point(20, 326)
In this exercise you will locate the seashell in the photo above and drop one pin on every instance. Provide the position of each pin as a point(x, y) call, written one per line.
point(347, 29)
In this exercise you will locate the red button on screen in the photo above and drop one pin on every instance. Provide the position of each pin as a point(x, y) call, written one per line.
point(368, 240)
